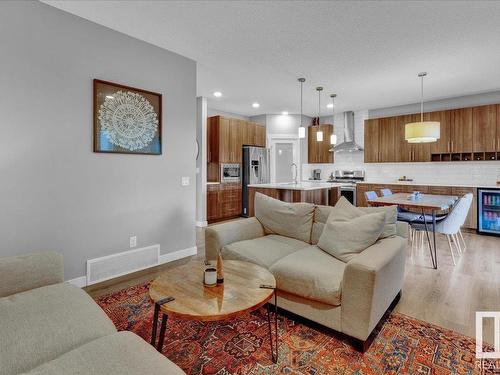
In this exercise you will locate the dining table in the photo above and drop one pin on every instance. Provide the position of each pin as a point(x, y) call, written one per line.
point(424, 204)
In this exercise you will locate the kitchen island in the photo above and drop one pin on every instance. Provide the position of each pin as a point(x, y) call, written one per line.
point(323, 193)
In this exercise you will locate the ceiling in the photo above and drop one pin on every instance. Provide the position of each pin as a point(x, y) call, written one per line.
point(369, 53)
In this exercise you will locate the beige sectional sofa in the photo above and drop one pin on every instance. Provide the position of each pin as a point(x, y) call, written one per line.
point(349, 297)
point(48, 326)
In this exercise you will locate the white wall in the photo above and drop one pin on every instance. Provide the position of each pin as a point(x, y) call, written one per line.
point(480, 173)
point(285, 124)
point(55, 193)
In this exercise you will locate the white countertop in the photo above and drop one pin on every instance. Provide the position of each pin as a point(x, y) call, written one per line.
point(420, 183)
point(313, 185)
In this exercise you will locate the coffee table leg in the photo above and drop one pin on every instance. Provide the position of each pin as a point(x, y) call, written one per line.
point(274, 355)
point(162, 332)
point(155, 324)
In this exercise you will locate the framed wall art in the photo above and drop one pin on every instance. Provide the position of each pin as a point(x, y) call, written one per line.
point(127, 120)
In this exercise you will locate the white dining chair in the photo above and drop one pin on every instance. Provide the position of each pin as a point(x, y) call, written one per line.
point(451, 225)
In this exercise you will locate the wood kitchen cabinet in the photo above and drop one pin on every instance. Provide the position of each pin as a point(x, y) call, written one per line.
point(484, 128)
point(371, 140)
point(260, 136)
point(465, 134)
point(461, 127)
point(498, 130)
point(387, 140)
point(443, 144)
point(223, 201)
point(319, 152)
point(227, 136)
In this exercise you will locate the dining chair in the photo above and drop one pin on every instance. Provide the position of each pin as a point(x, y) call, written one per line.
point(450, 226)
point(370, 195)
point(385, 192)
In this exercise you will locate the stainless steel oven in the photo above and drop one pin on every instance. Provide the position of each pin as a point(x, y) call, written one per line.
point(230, 172)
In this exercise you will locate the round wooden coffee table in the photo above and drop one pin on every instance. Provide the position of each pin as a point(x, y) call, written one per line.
point(180, 292)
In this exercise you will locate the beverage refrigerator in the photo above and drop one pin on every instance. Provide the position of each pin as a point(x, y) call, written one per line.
point(488, 211)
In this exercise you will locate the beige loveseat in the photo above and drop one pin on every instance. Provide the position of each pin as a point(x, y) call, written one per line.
point(51, 327)
point(348, 297)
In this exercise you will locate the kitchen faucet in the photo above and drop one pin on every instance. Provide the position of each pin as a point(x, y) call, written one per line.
point(296, 173)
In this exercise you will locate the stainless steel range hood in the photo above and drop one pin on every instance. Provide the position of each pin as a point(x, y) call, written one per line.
point(349, 144)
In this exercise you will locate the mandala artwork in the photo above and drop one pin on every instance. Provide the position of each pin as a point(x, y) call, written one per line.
point(129, 120)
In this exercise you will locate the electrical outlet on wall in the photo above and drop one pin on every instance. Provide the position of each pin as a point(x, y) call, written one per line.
point(133, 241)
point(185, 181)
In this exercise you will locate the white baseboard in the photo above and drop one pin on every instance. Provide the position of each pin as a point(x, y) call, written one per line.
point(202, 224)
point(81, 281)
point(179, 254)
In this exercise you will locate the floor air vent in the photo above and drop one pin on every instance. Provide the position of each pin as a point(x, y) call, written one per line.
point(119, 264)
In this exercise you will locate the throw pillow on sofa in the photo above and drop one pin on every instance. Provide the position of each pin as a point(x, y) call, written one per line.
point(286, 219)
point(344, 239)
point(344, 210)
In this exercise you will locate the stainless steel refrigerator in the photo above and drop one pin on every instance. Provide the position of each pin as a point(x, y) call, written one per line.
point(255, 171)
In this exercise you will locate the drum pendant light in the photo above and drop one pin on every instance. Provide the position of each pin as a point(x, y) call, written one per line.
point(319, 133)
point(422, 131)
point(302, 129)
point(333, 137)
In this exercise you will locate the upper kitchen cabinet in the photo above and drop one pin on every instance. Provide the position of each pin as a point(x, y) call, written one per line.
point(484, 128)
point(226, 136)
point(443, 144)
point(498, 128)
point(387, 140)
point(260, 135)
point(236, 132)
point(319, 151)
point(461, 130)
point(371, 141)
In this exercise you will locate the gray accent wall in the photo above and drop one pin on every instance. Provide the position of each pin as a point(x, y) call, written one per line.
point(55, 193)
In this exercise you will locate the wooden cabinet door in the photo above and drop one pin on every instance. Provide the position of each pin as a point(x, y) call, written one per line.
point(371, 141)
point(443, 144)
point(461, 130)
point(404, 150)
point(324, 154)
point(360, 194)
point(471, 220)
point(498, 128)
point(312, 144)
point(213, 140)
point(484, 128)
point(235, 135)
point(212, 205)
point(260, 135)
point(224, 140)
point(387, 144)
point(250, 133)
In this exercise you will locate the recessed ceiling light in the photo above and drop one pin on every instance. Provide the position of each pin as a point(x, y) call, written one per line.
point(255, 105)
point(329, 105)
point(110, 97)
point(217, 94)
point(284, 113)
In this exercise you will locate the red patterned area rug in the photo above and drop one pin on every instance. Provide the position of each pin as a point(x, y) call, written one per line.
point(241, 346)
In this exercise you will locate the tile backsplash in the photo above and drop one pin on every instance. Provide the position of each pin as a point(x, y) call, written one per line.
point(470, 173)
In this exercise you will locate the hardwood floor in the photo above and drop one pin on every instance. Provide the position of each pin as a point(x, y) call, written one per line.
point(447, 297)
